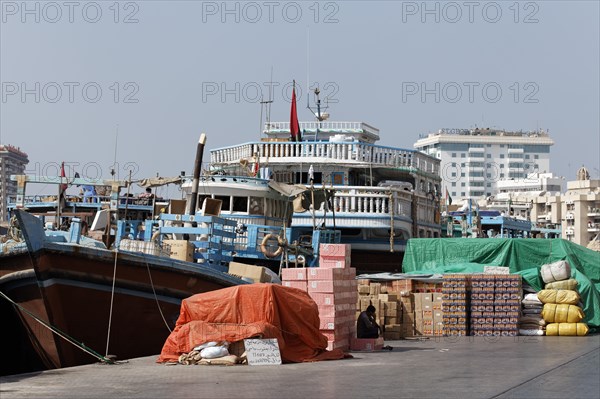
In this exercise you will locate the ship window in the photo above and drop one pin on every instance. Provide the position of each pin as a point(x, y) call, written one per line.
point(240, 204)
point(226, 202)
point(256, 206)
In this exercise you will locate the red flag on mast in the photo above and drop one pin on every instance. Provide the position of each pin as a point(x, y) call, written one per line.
point(294, 125)
point(63, 187)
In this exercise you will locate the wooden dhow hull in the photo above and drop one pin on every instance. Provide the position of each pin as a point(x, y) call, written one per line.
point(73, 288)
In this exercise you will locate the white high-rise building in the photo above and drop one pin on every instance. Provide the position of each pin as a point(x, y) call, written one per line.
point(12, 162)
point(474, 160)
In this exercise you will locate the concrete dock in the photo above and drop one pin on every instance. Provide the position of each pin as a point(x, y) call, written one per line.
point(465, 367)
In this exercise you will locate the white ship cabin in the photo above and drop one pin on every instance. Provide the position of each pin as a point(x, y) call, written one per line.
point(373, 184)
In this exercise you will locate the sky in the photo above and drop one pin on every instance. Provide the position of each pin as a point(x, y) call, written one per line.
point(134, 83)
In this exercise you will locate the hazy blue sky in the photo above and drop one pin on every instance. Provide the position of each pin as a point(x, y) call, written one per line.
point(168, 71)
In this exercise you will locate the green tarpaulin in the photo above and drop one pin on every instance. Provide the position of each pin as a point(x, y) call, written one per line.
point(523, 256)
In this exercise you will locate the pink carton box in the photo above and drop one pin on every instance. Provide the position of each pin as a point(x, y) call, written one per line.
point(337, 310)
point(333, 263)
point(294, 274)
point(331, 286)
point(334, 298)
point(342, 344)
point(302, 285)
point(337, 250)
point(332, 323)
point(319, 273)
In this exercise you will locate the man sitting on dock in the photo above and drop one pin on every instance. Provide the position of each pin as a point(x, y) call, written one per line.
point(366, 326)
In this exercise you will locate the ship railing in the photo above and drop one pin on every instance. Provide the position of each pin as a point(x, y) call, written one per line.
point(329, 126)
point(345, 152)
point(375, 201)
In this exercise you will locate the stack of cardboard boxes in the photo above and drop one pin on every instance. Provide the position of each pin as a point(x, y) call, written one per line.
point(495, 304)
point(333, 288)
point(455, 304)
point(428, 314)
point(387, 304)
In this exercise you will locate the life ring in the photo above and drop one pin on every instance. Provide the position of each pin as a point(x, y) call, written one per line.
point(271, 254)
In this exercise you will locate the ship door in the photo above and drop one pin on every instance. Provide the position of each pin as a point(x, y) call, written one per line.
point(337, 178)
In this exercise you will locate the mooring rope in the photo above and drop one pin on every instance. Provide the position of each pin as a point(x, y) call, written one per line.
point(58, 332)
point(112, 297)
point(156, 297)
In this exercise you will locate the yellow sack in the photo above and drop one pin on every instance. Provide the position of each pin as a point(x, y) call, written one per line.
point(563, 313)
point(570, 284)
point(558, 296)
point(565, 329)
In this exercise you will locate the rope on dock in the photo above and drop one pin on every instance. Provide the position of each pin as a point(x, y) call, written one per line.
point(58, 332)
point(156, 297)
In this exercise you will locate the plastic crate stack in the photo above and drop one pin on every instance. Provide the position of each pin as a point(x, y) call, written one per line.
point(495, 304)
point(455, 304)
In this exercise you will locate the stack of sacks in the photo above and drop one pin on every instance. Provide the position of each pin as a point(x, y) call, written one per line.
point(560, 305)
point(532, 322)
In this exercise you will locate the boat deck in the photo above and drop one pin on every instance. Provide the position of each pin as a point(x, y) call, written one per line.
point(465, 367)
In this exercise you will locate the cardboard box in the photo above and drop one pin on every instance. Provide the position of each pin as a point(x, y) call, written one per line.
point(364, 289)
point(294, 274)
point(335, 250)
point(318, 273)
point(391, 320)
point(392, 335)
point(325, 263)
point(181, 250)
point(388, 297)
point(375, 289)
point(301, 285)
point(255, 273)
point(393, 327)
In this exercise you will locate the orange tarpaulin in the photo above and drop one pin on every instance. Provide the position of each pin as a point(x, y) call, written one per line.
point(254, 310)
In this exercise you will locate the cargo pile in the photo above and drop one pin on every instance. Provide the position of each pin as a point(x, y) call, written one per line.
point(455, 304)
point(405, 308)
point(332, 286)
point(495, 304)
point(560, 300)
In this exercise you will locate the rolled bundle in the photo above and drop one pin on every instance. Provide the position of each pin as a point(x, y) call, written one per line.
point(566, 329)
point(570, 284)
point(556, 271)
point(562, 313)
point(569, 297)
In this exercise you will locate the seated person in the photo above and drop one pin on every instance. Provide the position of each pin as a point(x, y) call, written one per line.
point(366, 326)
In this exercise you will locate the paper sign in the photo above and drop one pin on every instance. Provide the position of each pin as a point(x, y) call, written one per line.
point(495, 270)
point(262, 352)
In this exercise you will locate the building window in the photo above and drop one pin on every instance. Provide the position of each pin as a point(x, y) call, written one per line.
point(462, 184)
point(453, 155)
point(536, 156)
point(453, 174)
point(453, 184)
point(462, 174)
point(489, 185)
point(501, 166)
point(454, 193)
point(502, 175)
point(501, 145)
point(526, 156)
point(462, 194)
point(463, 155)
point(489, 155)
point(501, 155)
